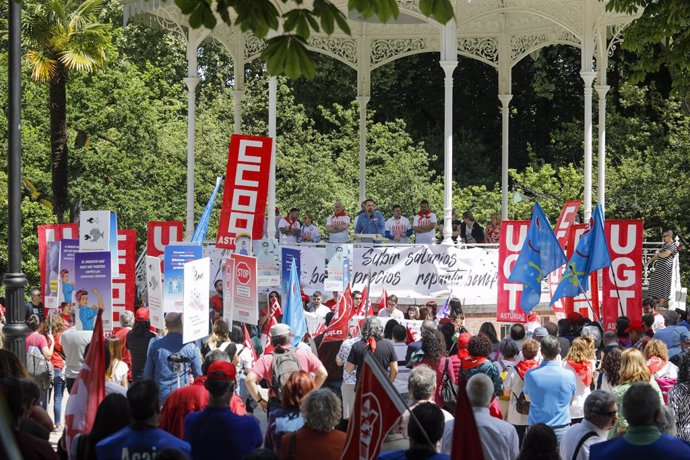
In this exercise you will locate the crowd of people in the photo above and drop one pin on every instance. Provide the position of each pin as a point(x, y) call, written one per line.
point(565, 390)
point(422, 228)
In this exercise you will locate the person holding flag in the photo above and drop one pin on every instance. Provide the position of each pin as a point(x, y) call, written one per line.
point(591, 254)
point(540, 255)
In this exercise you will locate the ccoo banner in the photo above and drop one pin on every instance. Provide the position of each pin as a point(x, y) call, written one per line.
point(513, 234)
point(246, 189)
point(623, 296)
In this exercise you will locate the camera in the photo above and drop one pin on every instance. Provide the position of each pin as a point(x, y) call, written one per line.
point(179, 359)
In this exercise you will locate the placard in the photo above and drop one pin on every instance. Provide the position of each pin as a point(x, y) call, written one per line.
point(228, 289)
point(267, 262)
point(176, 255)
point(93, 289)
point(195, 318)
point(288, 257)
point(513, 235)
point(52, 232)
point(51, 287)
point(245, 297)
point(98, 232)
point(68, 249)
point(338, 258)
point(154, 288)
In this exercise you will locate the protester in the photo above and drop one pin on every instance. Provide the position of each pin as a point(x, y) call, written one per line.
point(288, 418)
point(10, 366)
point(219, 338)
point(664, 372)
point(540, 443)
point(74, 343)
point(499, 439)
point(318, 438)
point(434, 348)
point(400, 347)
point(670, 335)
point(580, 362)
point(112, 416)
point(142, 439)
point(513, 387)
point(315, 306)
point(30, 447)
point(430, 428)
point(642, 440)
point(517, 334)
point(216, 301)
point(610, 341)
point(327, 353)
point(507, 357)
point(372, 340)
point(600, 414)
point(679, 398)
point(470, 231)
point(117, 369)
point(633, 369)
point(550, 388)
point(276, 368)
point(398, 227)
point(493, 230)
point(609, 375)
point(412, 312)
point(34, 306)
point(58, 362)
point(216, 431)
point(649, 307)
point(424, 224)
point(370, 222)
point(416, 346)
point(422, 387)
point(309, 233)
point(660, 274)
point(36, 420)
point(478, 362)
point(391, 310)
point(138, 342)
point(194, 398)
point(39, 351)
point(338, 224)
point(290, 227)
point(456, 315)
point(488, 330)
point(126, 323)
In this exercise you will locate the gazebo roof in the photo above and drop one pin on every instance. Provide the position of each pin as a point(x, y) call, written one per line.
point(487, 30)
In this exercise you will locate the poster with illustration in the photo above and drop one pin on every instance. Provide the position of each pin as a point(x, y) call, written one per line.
point(93, 289)
point(217, 257)
point(267, 262)
point(98, 232)
point(154, 288)
point(68, 249)
point(195, 323)
point(176, 255)
point(50, 289)
point(338, 258)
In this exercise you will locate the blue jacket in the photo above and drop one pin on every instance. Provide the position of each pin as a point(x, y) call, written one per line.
point(375, 224)
point(165, 373)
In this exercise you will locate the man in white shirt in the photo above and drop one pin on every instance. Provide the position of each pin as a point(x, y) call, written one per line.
point(499, 439)
point(338, 224)
point(398, 227)
point(290, 227)
point(601, 413)
point(74, 343)
point(424, 224)
point(315, 306)
point(391, 310)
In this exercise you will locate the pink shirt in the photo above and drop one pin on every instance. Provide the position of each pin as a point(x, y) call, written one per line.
point(37, 340)
point(307, 361)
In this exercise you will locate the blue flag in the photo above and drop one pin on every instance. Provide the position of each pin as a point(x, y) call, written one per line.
point(293, 312)
point(540, 255)
point(591, 254)
point(202, 227)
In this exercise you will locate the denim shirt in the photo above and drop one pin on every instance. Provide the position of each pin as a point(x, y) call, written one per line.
point(374, 224)
point(165, 373)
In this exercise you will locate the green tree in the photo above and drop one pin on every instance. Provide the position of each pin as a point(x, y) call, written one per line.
point(62, 36)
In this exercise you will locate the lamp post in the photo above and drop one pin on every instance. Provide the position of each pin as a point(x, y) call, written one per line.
point(14, 280)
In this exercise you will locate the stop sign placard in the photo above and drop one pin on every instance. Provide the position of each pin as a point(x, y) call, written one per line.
point(243, 273)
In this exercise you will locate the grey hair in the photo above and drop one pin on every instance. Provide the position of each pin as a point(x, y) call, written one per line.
point(422, 383)
point(126, 319)
point(549, 347)
point(480, 390)
point(667, 421)
point(593, 332)
point(321, 410)
point(372, 328)
point(598, 401)
point(508, 348)
point(428, 324)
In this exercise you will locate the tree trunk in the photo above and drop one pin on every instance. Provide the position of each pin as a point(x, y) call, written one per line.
point(58, 142)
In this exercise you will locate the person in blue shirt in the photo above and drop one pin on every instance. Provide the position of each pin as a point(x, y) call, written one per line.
point(371, 222)
point(142, 439)
point(169, 361)
point(88, 313)
point(550, 389)
point(429, 416)
point(216, 432)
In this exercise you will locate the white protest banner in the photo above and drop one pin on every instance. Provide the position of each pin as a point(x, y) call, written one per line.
point(338, 257)
point(312, 267)
point(195, 316)
point(267, 262)
point(154, 287)
point(216, 256)
point(245, 298)
point(98, 232)
point(228, 289)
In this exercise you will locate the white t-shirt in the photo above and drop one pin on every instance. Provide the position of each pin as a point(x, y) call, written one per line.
point(120, 371)
point(312, 232)
point(398, 227)
point(342, 236)
point(396, 315)
point(425, 237)
point(289, 238)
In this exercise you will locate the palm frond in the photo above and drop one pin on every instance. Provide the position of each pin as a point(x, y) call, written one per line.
point(75, 60)
point(43, 67)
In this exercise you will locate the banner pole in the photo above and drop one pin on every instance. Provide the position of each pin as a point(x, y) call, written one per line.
point(584, 293)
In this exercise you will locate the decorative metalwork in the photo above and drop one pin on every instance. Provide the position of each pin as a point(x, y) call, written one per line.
point(412, 5)
point(344, 49)
point(524, 44)
point(616, 39)
point(253, 46)
point(387, 49)
point(484, 48)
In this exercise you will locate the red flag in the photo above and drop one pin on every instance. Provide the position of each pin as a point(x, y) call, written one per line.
point(377, 407)
point(361, 309)
point(89, 387)
point(337, 330)
point(383, 302)
point(248, 341)
point(409, 336)
point(466, 442)
point(275, 307)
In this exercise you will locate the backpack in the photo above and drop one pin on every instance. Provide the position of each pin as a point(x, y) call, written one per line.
point(449, 391)
point(284, 364)
point(665, 385)
point(521, 403)
point(39, 368)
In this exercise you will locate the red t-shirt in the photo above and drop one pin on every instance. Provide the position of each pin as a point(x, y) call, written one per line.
point(126, 356)
point(36, 340)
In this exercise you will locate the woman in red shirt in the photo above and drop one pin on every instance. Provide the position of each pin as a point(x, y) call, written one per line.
point(434, 348)
point(58, 361)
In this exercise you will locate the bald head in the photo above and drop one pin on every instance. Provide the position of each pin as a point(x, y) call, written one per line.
point(173, 322)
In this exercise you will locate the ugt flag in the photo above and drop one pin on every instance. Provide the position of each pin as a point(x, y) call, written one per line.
point(540, 255)
point(293, 313)
point(591, 254)
point(337, 330)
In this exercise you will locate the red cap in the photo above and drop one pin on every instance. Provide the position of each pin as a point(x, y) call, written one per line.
point(142, 315)
point(221, 370)
point(464, 339)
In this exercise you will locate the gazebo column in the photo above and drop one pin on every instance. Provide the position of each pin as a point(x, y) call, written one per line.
point(237, 95)
point(449, 61)
point(588, 76)
point(363, 97)
point(272, 103)
point(505, 96)
point(194, 39)
point(602, 89)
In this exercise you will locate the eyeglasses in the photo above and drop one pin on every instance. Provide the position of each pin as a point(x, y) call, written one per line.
point(608, 414)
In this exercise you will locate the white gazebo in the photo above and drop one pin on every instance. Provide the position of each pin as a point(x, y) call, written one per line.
point(498, 33)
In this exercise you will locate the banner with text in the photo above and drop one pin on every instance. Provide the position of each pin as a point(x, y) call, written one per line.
point(93, 289)
point(228, 288)
point(176, 255)
point(267, 262)
point(338, 257)
point(98, 232)
point(68, 248)
point(52, 232)
point(513, 235)
point(246, 189)
point(195, 316)
point(124, 283)
point(51, 289)
point(154, 286)
point(623, 296)
point(245, 301)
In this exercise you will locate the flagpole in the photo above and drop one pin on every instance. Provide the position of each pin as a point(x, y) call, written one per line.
point(584, 293)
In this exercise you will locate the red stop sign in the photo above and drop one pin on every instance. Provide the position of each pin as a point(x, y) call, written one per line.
point(242, 273)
